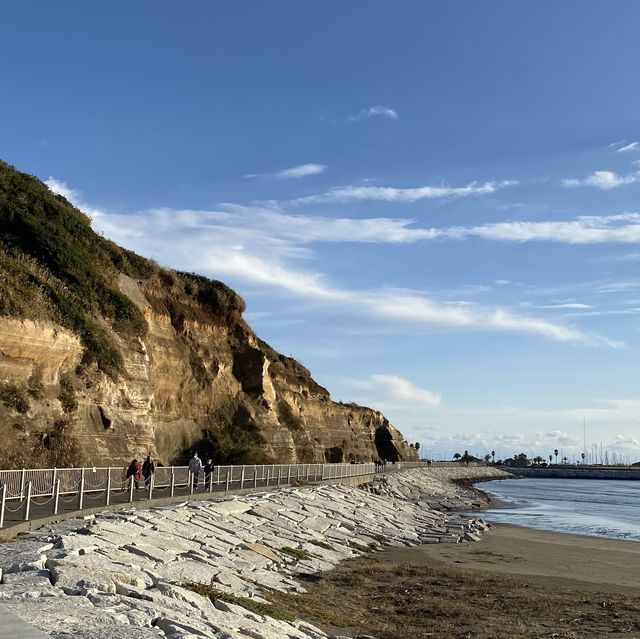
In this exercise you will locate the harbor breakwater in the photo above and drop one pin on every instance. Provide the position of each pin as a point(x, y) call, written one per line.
point(122, 575)
point(576, 472)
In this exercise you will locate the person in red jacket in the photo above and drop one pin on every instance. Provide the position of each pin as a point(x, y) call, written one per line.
point(134, 472)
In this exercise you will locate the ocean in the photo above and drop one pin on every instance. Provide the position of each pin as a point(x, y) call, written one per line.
point(594, 507)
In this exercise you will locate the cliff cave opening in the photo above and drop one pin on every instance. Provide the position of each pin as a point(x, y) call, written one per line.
point(334, 455)
point(384, 445)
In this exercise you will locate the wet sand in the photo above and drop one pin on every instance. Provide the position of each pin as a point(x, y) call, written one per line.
point(583, 563)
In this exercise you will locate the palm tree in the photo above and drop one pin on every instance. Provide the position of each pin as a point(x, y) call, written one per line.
point(493, 456)
point(457, 456)
point(487, 457)
point(565, 460)
point(583, 456)
point(550, 458)
point(537, 460)
point(555, 452)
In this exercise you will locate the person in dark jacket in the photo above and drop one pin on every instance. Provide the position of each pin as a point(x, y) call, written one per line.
point(208, 469)
point(148, 468)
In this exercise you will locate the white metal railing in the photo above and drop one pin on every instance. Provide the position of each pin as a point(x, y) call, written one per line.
point(36, 493)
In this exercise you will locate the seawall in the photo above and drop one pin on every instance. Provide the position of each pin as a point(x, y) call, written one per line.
point(576, 473)
point(122, 575)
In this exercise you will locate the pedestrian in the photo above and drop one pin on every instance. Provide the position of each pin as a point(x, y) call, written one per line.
point(195, 466)
point(134, 473)
point(148, 468)
point(208, 469)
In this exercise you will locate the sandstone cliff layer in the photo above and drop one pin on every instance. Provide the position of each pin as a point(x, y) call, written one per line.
point(131, 358)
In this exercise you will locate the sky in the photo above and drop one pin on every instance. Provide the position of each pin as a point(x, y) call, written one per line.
point(433, 206)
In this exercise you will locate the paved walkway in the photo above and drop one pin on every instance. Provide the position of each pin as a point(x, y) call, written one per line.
point(41, 509)
point(13, 627)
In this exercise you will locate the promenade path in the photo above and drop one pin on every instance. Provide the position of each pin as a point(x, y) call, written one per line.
point(30, 499)
point(13, 627)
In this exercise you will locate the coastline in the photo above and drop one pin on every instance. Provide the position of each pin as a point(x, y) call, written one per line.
point(275, 564)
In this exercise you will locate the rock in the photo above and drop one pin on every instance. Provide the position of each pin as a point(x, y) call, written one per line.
point(24, 555)
point(263, 550)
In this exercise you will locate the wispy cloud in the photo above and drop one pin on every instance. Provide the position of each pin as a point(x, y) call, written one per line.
point(604, 180)
point(374, 111)
point(567, 305)
point(393, 194)
point(299, 171)
point(392, 388)
point(632, 146)
point(302, 170)
point(257, 246)
point(588, 229)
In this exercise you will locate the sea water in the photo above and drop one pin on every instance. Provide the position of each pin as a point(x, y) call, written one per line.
point(596, 507)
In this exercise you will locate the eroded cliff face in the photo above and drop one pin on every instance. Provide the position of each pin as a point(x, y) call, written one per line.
point(188, 376)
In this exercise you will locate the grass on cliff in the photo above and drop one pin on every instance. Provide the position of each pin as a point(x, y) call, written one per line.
point(57, 448)
point(53, 266)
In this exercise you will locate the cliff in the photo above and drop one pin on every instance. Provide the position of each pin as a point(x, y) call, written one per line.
point(104, 356)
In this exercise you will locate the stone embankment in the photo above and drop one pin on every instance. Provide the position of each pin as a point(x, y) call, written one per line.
point(122, 574)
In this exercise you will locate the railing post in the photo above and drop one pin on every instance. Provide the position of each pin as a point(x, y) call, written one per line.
point(211, 481)
point(173, 481)
point(28, 502)
point(3, 499)
point(151, 486)
point(255, 476)
point(131, 483)
point(288, 474)
point(23, 482)
point(56, 497)
point(218, 479)
point(266, 477)
point(81, 493)
point(190, 480)
point(54, 478)
point(242, 478)
point(108, 497)
point(226, 488)
point(279, 475)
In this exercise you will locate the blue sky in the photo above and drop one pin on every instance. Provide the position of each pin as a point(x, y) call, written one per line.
point(432, 205)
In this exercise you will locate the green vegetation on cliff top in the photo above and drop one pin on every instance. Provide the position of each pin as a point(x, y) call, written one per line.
point(53, 266)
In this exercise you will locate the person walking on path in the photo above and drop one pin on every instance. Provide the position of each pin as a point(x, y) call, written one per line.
point(134, 473)
point(148, 468)
point(208, 469)
point(195, 466)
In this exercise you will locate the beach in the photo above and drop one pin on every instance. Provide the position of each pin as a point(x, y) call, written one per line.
point(576, 561)
point(515, 582)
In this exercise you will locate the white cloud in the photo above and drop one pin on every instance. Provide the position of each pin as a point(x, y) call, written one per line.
point(302, 170)
point(604, 180)
point(391, 388)
point(374, 111)
point(633, 146)
point(591, 229)
point(567, 305)
point(394, 194)
point(256, 245)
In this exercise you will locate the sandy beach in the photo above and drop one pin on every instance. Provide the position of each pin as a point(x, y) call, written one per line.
point(514, 583)
point(584, 563)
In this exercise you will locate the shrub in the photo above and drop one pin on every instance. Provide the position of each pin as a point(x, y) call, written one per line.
point(296, 553)
point(14, 397)
point(67, 396)
point(271, 610)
